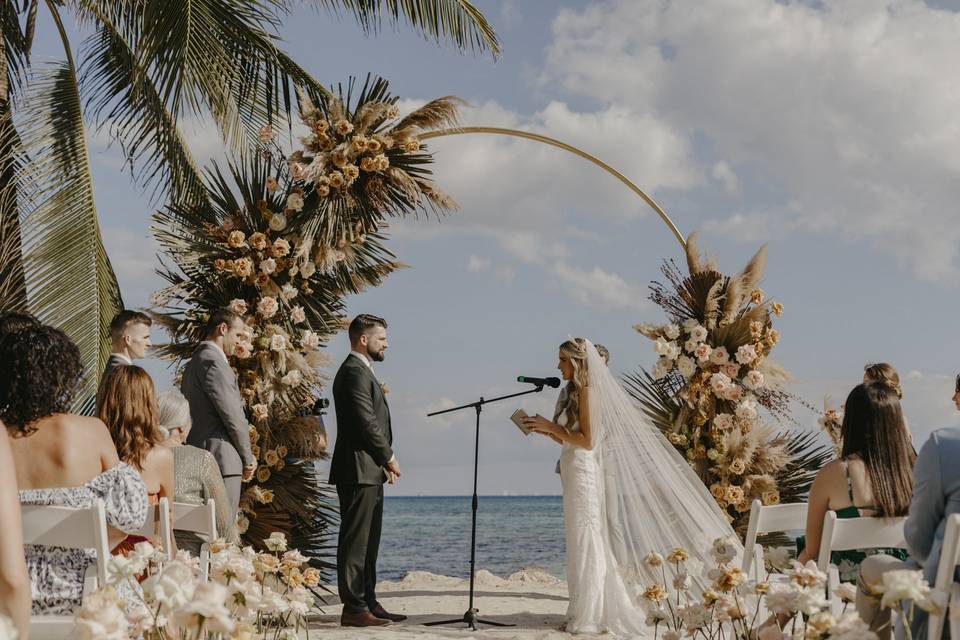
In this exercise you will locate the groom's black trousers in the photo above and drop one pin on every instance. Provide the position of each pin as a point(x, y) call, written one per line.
point(361, 518)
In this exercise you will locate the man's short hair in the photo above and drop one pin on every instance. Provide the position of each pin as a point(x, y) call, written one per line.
point(217, 318)
point(363, 323)
point(11, 321)
point(125, 319)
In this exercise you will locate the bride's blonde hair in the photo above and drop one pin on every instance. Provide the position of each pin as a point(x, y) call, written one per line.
point(576, 351)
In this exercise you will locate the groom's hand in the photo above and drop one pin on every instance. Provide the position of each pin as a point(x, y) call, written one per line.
point(393, 468)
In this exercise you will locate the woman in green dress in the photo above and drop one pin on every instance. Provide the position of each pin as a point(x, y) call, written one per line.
point(196, 474)
point(873, 477)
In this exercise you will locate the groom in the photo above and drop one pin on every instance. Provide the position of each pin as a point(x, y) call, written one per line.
point(362, 460)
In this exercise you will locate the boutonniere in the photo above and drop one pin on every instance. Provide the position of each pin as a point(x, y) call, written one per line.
point(384, 389)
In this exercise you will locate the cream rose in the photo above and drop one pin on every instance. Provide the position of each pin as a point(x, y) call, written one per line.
point(267, 306)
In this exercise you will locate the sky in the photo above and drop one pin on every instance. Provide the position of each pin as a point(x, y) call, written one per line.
point(829, 131)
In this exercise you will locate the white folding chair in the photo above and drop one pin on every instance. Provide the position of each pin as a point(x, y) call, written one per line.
point(769, 519)
point(844, 534)
point(949, 558)
point(71, 528)
point(159, 521)
point(202, 520)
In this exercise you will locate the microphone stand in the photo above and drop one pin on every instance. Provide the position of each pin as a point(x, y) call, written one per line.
point(471, 617)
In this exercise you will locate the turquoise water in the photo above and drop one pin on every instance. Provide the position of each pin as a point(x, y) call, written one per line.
point(433, 534)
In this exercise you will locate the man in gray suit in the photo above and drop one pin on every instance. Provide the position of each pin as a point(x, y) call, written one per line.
point(219, 423)
point(129, 339)
point(362, 460)
point(936, 495)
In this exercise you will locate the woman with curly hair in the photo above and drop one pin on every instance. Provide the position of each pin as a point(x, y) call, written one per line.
point(127, 404)
point(72, 458)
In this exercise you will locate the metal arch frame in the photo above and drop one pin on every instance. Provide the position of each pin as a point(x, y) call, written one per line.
point(536, 137)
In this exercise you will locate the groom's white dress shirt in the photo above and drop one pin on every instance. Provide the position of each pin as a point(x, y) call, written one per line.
point(122, 357)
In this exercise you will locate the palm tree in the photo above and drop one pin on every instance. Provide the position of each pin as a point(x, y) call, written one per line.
point(144, 65)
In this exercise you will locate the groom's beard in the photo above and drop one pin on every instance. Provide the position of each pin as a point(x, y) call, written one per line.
point(378, 356)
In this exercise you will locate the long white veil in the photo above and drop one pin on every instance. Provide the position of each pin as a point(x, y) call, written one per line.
point(653, 500)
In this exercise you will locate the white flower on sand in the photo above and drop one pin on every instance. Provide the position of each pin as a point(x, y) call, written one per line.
point(695, 616)
point(653, 559)
point(697, 333)
point(682, 582)
point(724, 550)
point(746, 354)
point(811, 601)
point(238, 306)
point(847, 591)
point(298, 315)
point(753, 380)
point(719, 356)
point(288, 292)
point(276, 542)
point(307, 269)
point(295, 202)
point(777, 558)
point(268, 266)
point(121, 567)
point(904, 584)
point(782, 598)
point(661, 368)
point(672, 331)
point(292, 378)
point(172, 588)
point(206, 609)
point(723, 422)
point(686, 366)
point(278, 342)
point(267, 306)
point(309, 340)
point(703, 352)
point(106, 622)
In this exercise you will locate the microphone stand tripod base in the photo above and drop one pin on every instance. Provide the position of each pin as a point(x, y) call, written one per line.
point(471, 618)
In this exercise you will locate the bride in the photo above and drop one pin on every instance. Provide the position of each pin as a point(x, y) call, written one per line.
point(626, 493)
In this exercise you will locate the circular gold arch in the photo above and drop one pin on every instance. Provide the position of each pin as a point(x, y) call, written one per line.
point(516, 133)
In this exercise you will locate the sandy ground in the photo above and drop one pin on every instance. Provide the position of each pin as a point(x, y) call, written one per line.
point(531, 599)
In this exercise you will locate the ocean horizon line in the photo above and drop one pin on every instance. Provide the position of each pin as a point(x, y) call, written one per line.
point(479, 495)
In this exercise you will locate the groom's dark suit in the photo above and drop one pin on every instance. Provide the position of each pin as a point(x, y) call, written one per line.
point(364, 440)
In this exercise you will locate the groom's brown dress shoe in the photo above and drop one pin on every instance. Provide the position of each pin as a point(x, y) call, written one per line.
point(365, 619)
point(382, 613)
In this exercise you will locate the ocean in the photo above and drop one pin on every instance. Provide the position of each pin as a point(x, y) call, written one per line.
point(433, 534)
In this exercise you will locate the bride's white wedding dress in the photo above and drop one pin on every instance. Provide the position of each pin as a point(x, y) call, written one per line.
point(632, 494)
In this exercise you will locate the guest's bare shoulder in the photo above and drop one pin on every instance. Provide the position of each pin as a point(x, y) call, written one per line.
point(95, 434)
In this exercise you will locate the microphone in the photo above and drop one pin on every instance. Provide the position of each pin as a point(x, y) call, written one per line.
point(540, 382)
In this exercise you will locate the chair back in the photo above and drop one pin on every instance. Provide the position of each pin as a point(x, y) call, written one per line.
point(844, 534)
point(200, 519)
point(769, 519)
point(158, 522)
point(69, 527)
point(949, 558)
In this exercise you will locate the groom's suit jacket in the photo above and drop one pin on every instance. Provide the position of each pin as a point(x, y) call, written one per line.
point(364, 434)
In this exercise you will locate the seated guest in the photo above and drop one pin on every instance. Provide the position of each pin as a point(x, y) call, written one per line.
point(11, 321)
point(72, 459)
point(129, 339)
point(196, 474)
point(127, 404)
point(936, 495)
point(14, 581)
point(873, 477)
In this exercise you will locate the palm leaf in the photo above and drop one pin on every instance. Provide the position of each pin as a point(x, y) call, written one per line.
point(69, 278)
point(456, 20)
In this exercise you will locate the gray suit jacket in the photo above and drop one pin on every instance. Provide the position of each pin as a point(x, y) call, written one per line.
point(364, 432)
point(936, 495)
point(112, 362)
point(219, 423)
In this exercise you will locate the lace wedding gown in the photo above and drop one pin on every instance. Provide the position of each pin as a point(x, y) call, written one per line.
point(628, 496)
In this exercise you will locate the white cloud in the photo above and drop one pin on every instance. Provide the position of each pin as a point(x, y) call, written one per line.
point(724, 174)
point(850, 108)
point(599, 289)
point(476, 264)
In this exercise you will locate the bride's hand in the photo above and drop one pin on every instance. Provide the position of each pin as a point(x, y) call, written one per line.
point(540, 424)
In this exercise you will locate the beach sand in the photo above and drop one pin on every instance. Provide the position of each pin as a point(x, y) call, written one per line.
point(531, 599)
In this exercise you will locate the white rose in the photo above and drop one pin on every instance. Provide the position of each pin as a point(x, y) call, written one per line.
point(719, 382)
point(661, 368)
point(309, 340)
point(663, 347)
point(686, 366)
point(295, 202)
point(754, 380)
point(811, 601)
point(288, 292)
point(719, 356)
point(732, 370)
point(903, 584)
point(276, 542)
point(238, 306)
point(206, 609)
point(672, 331)
point(698, 333)
point(298, 315)
point(703, 352)
point(723, 550)
point(690, 346)
point(268, 266)
point(689, 324)
point(172, 588)
point(307, 269)
point(732, 393)
point(747, 411)
point(782, 598)
point(292, 378)
point(267, 306)
point(278, 222)
point(278, 342)
point(723, 422)
point(746, 354)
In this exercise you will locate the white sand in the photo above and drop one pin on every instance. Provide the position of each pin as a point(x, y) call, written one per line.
point(531, 599)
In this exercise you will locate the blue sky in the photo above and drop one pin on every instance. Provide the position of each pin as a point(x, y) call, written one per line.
point(828, 130)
